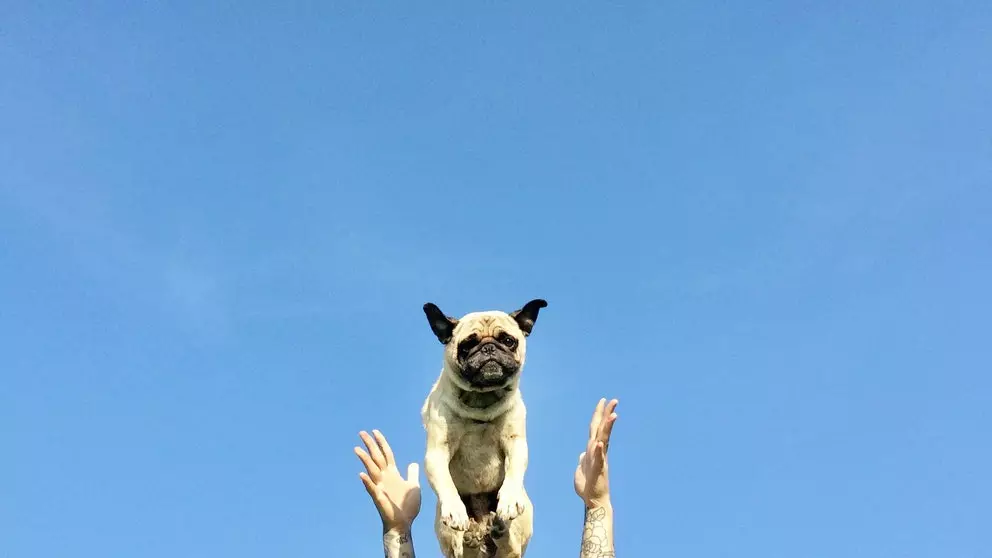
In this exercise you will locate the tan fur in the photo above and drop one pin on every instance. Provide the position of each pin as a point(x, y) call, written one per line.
point(472, 451)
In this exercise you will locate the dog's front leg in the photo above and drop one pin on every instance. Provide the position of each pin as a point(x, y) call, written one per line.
point(440, 448)
point(511, 501)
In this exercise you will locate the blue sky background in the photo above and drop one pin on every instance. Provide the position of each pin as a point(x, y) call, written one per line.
point(763, 226)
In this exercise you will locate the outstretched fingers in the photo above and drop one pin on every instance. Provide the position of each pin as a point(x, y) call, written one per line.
point(374, 450)
point(610, 407)
point(606, 427)
point(378, 496)
point(370, 486)
point(387, 451)
point(598, 460)
point(374, 471)
point(597, 418)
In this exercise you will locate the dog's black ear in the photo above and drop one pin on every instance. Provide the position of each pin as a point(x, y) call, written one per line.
point(442, 326)
point(526, 316)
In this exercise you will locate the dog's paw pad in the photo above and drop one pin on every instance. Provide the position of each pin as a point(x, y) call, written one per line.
point(498, 530)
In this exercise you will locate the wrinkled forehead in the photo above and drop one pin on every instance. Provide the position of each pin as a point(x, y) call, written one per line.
point(486, 324)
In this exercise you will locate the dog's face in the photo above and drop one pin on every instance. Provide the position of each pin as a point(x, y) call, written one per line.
point(484, 351)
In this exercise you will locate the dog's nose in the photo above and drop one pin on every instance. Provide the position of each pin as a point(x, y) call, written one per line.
point(488, 349)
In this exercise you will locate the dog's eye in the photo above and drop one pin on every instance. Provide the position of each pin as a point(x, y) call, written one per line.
point(507, 340)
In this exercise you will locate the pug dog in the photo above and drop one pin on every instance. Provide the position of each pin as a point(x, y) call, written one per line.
point(476, 436)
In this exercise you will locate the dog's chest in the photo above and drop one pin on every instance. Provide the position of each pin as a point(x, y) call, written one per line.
point(477, 466)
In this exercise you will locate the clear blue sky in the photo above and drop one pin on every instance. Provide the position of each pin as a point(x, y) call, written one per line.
point(763, 226)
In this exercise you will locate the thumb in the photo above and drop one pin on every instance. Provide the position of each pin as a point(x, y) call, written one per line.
point(413, 473)
point(581, 457)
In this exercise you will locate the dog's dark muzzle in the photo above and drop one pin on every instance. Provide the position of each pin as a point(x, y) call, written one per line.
point(489, 365)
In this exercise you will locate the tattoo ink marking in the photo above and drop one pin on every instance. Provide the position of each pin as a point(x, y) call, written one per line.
point(398, 545)
point(595, 539)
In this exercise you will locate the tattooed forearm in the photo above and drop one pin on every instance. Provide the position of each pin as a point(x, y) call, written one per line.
point(597, 536)
point(398, 544)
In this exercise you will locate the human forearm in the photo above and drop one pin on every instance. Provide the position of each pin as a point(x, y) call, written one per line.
point(398, 543)
point(597, 534)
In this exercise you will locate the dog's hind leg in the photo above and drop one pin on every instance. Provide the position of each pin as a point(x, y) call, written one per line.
point(512, 537)
point(451, 541)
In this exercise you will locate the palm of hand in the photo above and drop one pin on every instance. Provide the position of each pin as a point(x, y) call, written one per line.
point(401, 497)
point(591, 480)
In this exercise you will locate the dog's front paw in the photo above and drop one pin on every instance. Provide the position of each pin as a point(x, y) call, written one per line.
point(510, 503)
point(454, 514)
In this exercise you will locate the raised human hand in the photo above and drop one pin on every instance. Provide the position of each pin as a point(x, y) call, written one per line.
point(592, 474)
point(396, 498)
